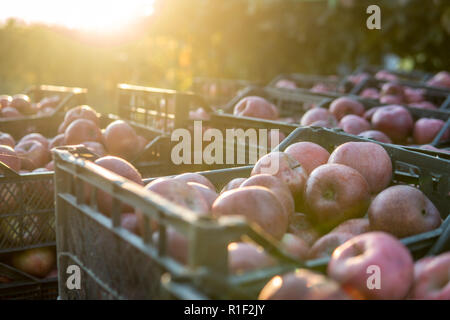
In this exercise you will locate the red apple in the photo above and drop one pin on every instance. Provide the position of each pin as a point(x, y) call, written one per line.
point(287, 84)
point(370, 93)
point(325, 246)
point(432, 279)
point(385, 75)
point(129, 221)
point(278, 187)
point(209, 195)
point(375, 135)
point(317, 114)
point(354, 124)
point(395, 121)
point(7, 139)
point(10, 112)
point(403, 211)
point(233, 184)
point(36, 262)
point(320, 88)
point(356, 263)
point(353, 226)
point(440, 79)
point(391, 99)
point(426, 129)
point(343, 106)
point(308, 154)
point(258, 205)
point(244, 257)
point(82, 130)
point(21, 103)
point(121, 140)
point(57, 141)
point(300, 226)
point(33, 154)
point(286, 168)
point(195, 177)
point(256, 107)
point(369, 159)
point(335, 193)
point(80, 112)
point(35, 136)
point(413, 95)
point(369, 113)
point(122, 168)
point(176, 243)
point(392, 89)
point(295, 246)
point(302, 284)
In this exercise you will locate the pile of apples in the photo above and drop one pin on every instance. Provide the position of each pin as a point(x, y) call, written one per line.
point(315, 204)
point(20, 105)
point(389, 123)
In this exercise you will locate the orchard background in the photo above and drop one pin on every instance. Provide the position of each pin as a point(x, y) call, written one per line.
point(245, 39)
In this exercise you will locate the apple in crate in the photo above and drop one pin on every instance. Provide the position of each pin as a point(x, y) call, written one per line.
point(256, 107)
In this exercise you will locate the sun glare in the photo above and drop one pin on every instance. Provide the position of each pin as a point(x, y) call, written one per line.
point(86, 15)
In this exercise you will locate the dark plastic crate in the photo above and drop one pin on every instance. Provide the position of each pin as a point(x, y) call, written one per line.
point(45, 124)
point(115, 258)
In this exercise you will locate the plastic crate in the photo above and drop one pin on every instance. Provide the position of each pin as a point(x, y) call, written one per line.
point(70, 97)
point(21, 286)
point(123, 265)
point(440, 97)
point(413, 75)
point(334, 84)
point(218, 91)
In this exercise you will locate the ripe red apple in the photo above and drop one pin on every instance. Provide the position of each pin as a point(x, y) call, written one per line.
point(121, 140)
point(343, 106)
point(391, 99)
point(385, 75)
point(392, 89)
point(432, 278)
point(403, 211)
point(195, 177)
point(369, 113)
point(370, 93)
point(354, 124)
point(287, 84)
point(300, 226)
point(95, 147)
point(440, 79)
point(176, 243)
point(122, 168)
point(308, 154)
point(33, 154)
point(7, 139)
point(317, 114)
point(355, 264)
point(258, 205)
point(5, 101)
point(375, 135)
point(353, 226)
point(413, 95)
point(10, 112)
point(369, 159)
point(302, 284)
point(325, 246)
point(286, 168)
point(129, 221)
point(21, 102)
point(278, 187)
point(9, 157)
point(244, 257)
point(209, 194)
point(335, 193)
point(82, 130)
point(233, 184)
point(423, 105)
point(35, 136)
point(320, 88)
point(426, 129)
point(36, 262)
point(256, 107)
point(295, 246)
point(57, 141)
point(80, 112)
point(395, 121)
